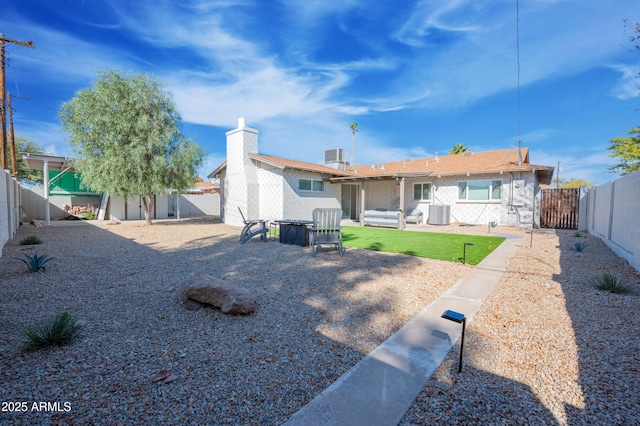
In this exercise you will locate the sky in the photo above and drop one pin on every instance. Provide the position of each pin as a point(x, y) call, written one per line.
point(418, 77)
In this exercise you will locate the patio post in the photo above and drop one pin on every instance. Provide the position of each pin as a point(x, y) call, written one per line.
point(47, 210)
point(401, 221)
point(362, 203)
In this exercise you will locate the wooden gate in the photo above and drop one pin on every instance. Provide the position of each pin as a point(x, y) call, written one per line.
point(560, 208)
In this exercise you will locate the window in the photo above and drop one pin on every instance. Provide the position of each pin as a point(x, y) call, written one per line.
point(422, 191)
point(480, 190)
point(311, 185)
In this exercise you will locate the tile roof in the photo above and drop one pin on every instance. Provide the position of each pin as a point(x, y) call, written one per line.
point(505, 160)
point(286, 163)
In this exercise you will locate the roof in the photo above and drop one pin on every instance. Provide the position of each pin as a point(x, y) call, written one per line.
point(469, 163)
point(36, 161)
point(284, 163)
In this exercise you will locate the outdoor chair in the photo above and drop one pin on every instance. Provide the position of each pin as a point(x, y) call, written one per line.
point(326, 229)
point(253, 228)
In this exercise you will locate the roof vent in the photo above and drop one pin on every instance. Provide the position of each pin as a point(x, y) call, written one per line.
point(383, 167)
point(435, 157)
point(467, 153)
point(373, 166)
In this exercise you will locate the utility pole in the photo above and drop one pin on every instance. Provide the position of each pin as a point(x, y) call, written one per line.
point(14, 165)
point(3, 102)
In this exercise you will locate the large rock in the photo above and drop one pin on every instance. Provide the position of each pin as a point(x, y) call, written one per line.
point(231, 298)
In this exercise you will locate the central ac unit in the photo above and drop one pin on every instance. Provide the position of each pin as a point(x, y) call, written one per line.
point(332, 155)
point(439, 214)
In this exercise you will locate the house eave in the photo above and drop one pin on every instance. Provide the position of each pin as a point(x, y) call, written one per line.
point(217, 171)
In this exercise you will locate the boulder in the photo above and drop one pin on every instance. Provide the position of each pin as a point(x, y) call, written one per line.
point(230, 298)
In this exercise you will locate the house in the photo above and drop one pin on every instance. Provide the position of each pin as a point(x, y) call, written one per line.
point(476, 188)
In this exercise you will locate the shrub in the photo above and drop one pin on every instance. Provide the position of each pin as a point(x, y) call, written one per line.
point(577, 234)
point(35, 262)
point(30, 240)
point(60, 330)
point(611, 283)
point(579, 246)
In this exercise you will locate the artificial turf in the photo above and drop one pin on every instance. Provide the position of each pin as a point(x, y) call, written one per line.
point(431, 245)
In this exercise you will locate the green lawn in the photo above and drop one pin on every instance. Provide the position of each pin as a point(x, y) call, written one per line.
point(422, 244)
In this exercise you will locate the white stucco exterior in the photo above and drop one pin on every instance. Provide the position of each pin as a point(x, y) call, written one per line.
point(270, 190)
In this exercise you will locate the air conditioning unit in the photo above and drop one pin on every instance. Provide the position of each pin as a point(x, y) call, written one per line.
point(334, 155)
point(439, 215)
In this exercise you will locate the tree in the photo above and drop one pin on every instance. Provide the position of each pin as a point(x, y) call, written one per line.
point(635, 37)
point(576, 183)
point(354, 129)
point(126, 135)
point(27, 176)
point(627, 151)
point(458, 149)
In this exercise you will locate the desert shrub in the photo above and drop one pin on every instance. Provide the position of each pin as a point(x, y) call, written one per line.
point(611, 283)
point(60, 330)
point(30, 240)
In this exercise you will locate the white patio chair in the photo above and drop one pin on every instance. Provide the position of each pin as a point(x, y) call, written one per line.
point(326, 229)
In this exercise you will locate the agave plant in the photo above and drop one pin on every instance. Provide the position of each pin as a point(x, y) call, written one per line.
point(579, 246)
point(35, 262)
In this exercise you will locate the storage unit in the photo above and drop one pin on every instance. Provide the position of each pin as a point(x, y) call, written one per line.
point(439, 214)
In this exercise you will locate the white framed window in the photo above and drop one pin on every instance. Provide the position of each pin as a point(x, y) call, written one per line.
point(422, 191)
point(312, 185)
point(480, 190)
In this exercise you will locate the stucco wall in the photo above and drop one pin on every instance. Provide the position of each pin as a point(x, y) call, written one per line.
point(300, 204)
point(271, 192)
point(518, 203)
point(241, 178)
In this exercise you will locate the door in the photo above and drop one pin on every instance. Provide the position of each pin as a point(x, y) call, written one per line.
point(349, 201)
point(560, 208)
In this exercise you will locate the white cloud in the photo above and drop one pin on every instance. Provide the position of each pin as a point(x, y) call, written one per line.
point(49, 136)
point(629, 85)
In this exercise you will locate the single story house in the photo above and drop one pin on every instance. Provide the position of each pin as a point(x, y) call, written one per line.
point(475, 188)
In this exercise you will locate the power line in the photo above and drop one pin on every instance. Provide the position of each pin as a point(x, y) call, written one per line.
point(518, 61)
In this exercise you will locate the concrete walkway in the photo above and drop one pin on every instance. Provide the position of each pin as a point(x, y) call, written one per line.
point(382, 387)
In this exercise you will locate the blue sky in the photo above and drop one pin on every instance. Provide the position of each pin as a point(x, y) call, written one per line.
point(417, 76)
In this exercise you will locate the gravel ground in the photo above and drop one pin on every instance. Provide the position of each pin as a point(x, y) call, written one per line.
point(545, 348)
point(317, 317)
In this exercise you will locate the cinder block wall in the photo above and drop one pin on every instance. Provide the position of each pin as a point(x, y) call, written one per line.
point(612, 212)
point(9, 207)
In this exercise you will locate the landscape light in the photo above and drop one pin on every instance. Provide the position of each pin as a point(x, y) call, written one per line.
point(464, 256)
point(460, 319)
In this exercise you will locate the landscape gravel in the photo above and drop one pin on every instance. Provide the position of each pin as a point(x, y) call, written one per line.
point(546, 347)
point(316, 318)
